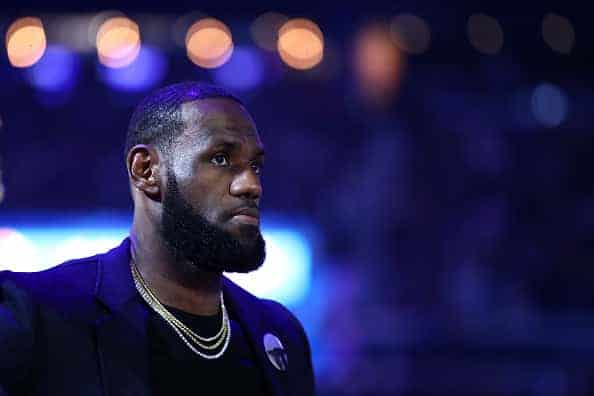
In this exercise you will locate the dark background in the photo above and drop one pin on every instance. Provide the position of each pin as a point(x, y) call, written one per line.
point(457, 229)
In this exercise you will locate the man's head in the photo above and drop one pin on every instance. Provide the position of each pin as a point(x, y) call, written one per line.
point(194, 159)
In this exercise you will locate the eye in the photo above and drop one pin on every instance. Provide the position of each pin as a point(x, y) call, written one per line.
point(220, 159)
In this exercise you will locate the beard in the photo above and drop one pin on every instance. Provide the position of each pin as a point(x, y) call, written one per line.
point(192, 239)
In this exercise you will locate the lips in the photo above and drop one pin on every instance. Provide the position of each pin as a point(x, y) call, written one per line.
point(252, 212)
point(247, 216)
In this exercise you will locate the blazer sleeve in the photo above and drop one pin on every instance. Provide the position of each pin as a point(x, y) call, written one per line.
point(16, 336)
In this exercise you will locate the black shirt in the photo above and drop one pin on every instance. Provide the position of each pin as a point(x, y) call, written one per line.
point(176, 370)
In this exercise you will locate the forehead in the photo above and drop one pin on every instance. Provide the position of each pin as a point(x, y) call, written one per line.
point(208, 120)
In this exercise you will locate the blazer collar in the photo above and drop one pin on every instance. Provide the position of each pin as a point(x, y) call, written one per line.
point(114, 288)
point(114, 285)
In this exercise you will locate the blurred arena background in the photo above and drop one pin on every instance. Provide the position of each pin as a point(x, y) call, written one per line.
point(428, 201)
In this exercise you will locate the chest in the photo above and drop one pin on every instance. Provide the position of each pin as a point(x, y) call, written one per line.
point(175, 369)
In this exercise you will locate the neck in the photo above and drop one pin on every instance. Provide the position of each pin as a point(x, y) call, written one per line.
point(176, 284)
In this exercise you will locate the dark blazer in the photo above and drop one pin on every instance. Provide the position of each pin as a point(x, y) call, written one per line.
point(81, 329)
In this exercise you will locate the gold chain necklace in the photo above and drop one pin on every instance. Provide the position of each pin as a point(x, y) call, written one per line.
point(186, 334)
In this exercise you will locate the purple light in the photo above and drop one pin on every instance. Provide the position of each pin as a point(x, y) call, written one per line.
point(243, 71)
point(549, 105)
point(56, 70)
point(145, 72)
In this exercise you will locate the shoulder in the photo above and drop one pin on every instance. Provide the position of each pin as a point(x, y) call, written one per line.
point(67, 288)
point(271, 311)
point(71, 275)
point(281, 315)
point(273, 314)
point(27, 300)
point(278, 320)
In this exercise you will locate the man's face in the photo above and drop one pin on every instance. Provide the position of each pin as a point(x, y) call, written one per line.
point(213, 173)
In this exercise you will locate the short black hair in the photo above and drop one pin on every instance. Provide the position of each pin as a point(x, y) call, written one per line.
point(158, 120)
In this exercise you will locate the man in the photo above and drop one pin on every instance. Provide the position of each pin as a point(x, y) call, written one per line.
point(155, 316)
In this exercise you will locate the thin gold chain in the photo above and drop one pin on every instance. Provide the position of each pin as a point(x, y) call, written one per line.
point(155, 301)
point(186, 334)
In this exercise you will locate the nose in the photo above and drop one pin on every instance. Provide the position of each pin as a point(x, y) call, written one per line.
point(246, 185)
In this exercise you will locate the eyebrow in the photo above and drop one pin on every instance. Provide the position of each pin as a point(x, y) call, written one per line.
point(232, 145)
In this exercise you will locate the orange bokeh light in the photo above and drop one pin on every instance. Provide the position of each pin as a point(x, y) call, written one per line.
point(301, 44)
point(209, 43)
point(485, 33)
point(118, 42)
point(558, 33)
point(410, 33)
point(379, 63)
point(25, 42)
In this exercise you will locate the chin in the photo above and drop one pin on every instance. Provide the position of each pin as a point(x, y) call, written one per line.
point(249, 235)
point(244, 231)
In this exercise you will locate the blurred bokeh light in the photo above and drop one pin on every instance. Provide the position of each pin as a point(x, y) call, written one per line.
point(558, 33)
point(378, 62)
point(25, 42)
point(244, 71)
point(38, 245)
point(265, 29)
point(118, 42)
point(56, 71)
point(549, 105)
point(301, 44)
point(181, 25)
point(411, 33)
point(485, 33)
point(209, 43)
point(16, 248)
point(286, 272)
point(147, 70)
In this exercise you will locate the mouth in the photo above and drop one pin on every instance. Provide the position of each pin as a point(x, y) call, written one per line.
point(246, 219)
point(247, 216)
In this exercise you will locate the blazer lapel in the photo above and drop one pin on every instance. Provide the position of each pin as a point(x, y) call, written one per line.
point(248, 314)
point(122, 342)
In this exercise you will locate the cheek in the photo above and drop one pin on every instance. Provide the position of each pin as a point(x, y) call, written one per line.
point(210, 197)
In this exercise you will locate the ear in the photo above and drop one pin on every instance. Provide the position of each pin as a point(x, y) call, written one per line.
point(143, 169)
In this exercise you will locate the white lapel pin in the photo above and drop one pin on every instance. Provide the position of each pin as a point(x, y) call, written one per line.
point(276, 352)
